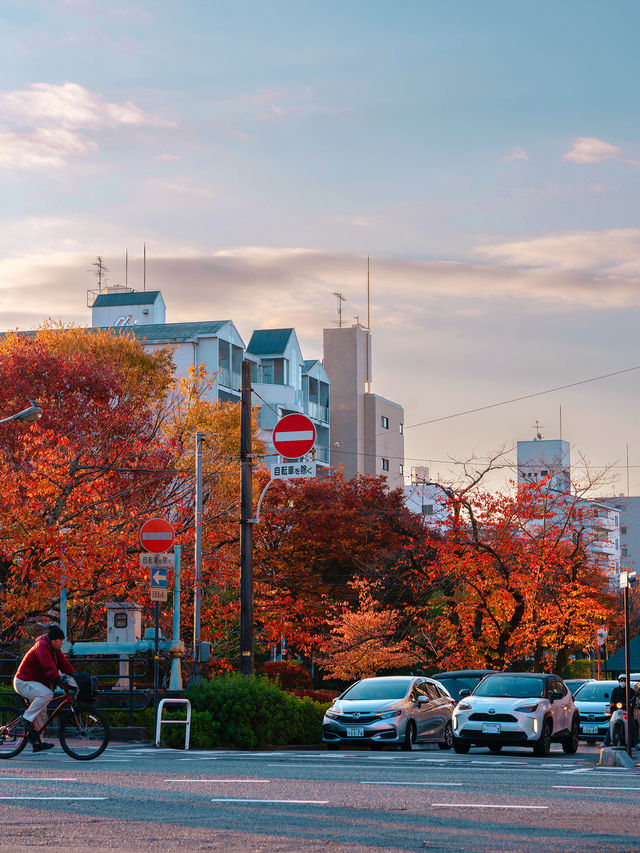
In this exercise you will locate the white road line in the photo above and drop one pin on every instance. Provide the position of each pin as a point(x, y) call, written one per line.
point(596, 788)
point(53, 798)
point(481, 806)
point(416, 784)
point(569, 772)
point(36, 779)
point(278, 802)
point(217, 780)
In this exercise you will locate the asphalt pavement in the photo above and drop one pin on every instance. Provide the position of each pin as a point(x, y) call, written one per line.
point(136, 798)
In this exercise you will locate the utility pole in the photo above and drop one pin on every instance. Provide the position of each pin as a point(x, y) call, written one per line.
point(246, 526)
point(197, 672)
point(627, 579)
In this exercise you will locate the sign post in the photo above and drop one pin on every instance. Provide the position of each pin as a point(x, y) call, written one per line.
point(157, 536)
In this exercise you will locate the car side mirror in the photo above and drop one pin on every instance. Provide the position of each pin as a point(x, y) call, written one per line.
point(464, 692)
point(554, 695)
point(422, 700)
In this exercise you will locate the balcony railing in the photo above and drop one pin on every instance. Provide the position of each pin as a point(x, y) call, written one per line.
point(229, 379)
point(318, 412)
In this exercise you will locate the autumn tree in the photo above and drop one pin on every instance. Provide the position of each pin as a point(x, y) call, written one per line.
point(363, 640)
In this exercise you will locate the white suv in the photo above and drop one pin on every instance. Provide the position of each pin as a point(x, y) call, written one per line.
point(517, 709)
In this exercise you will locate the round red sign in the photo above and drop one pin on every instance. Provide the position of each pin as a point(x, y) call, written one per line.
point(157, 535)
point(294, 435)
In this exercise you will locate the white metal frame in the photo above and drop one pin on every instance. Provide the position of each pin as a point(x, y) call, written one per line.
point(187, 722)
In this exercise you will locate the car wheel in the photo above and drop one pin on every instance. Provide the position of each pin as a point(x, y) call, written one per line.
point(447, 741)
point(495, 747)
point(570, 744)
point(460, 746)
point(410, 736)
point(333, 744)
point(543, 744)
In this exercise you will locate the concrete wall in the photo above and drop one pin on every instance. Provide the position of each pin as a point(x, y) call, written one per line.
point(384, 440)
point(347, 359)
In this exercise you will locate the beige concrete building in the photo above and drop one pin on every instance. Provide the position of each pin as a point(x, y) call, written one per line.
point(366, 430)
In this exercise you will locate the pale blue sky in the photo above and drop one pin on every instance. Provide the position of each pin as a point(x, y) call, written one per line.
point(486, 154)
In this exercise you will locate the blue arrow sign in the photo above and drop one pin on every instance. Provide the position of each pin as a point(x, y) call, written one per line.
point(158, 577)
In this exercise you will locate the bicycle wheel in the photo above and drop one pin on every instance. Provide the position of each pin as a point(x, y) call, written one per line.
point(13, 739)
point(84, 734)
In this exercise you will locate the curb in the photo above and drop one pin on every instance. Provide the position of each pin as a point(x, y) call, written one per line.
point(616, 756)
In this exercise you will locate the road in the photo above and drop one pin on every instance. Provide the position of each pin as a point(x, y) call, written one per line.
point(137, 798)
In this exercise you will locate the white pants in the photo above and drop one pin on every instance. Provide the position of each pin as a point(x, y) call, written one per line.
point(40, 696)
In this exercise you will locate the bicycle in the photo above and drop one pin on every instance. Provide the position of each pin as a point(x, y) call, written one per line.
point(83, 732)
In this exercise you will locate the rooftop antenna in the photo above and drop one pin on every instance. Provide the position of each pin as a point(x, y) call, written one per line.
point(341, 299)
point(126, 268)
point(560, 423)
point(101, 272)
point(538, 435)
point(628, 493)
point(368, 325)
point(144, 268)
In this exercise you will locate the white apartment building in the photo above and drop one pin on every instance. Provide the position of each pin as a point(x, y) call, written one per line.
point(541, 458)
point(628, 508)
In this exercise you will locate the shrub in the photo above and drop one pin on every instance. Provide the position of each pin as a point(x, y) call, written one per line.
point(290, 673)
point(246, 712)
point(323, 696)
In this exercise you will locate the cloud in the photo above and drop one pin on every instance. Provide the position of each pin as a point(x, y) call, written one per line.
point(46, 125)
point(587, 149)
point(517, 154)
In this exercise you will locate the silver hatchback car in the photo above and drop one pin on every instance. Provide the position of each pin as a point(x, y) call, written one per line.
point(401, 710)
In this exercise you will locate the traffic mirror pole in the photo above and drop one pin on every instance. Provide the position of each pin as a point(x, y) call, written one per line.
point(246, 529)
point(627, 669)
point(197, 670)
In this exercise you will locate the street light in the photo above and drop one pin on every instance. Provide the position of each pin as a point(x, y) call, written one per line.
point(26, 416)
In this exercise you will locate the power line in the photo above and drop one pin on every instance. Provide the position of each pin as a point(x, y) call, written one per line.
point(524, 397)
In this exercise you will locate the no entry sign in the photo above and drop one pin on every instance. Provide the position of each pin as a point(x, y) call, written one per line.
point(157, 535)
point(293, 436)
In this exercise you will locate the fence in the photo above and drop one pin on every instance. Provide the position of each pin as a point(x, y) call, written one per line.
point(139, 671)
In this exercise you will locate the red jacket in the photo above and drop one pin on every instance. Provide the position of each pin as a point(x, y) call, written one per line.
point(42, 662)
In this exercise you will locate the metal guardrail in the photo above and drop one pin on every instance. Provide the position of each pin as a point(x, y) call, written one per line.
point(132, 698)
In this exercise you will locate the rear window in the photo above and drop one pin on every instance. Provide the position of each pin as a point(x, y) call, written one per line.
point(594, 691)
point(454, 685)
point(378, 688)
point(511, 686)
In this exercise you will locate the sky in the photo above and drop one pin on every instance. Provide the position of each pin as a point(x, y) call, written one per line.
point(484, 155)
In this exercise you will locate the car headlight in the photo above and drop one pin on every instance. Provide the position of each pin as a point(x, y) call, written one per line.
point(331, 714)
point(385, 715)
point(463, 706)
point(527, 709)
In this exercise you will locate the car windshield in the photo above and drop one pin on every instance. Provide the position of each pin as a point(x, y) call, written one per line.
point(455, 684)
point(378, 688)
point(594, 691)
point(510, 686)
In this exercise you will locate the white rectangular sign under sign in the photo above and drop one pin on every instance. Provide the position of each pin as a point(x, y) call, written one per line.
point(151, 560)
point(158, 593)
point(293, 470)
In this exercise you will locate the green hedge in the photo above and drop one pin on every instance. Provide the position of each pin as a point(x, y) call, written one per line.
point(246, 712)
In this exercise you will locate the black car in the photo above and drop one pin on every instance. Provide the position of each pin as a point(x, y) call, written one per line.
point(462, 679)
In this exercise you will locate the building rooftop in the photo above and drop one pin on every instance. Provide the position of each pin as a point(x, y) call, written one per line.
point(269, 341)
point(169, 333)
point(133, 297)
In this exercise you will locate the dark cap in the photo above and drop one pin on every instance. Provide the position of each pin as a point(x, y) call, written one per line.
point(54, 632)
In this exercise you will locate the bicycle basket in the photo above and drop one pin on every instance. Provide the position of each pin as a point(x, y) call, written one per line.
point(87, 687)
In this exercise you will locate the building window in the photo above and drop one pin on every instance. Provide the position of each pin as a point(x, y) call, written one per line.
point(624, 552)
point(617, 544)
point(623, 530)
point(385, 464)
point(427, 509)
point(543, 473)
point(402, 469)
point(401, 429)
point(384, 421)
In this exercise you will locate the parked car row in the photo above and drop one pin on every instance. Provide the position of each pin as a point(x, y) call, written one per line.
point(467, 708)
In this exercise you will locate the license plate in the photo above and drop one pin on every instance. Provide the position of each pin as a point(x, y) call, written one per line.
point(355, 732)
point(491, 728)
point(590, 730)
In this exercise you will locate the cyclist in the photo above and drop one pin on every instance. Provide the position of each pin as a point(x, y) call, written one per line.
point(41, 669)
